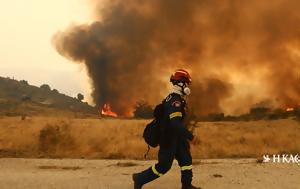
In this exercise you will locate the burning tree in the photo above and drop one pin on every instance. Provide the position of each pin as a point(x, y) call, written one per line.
point(107, 111)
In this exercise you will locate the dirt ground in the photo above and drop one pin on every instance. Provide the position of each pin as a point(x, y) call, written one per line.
point(116, 174)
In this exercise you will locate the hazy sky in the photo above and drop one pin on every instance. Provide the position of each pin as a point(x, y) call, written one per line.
point(26, 52)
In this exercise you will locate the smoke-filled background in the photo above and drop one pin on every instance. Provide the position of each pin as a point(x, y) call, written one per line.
point(240, 53)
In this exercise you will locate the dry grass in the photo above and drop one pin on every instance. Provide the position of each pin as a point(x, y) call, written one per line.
point(113, 138)
point(247, 139)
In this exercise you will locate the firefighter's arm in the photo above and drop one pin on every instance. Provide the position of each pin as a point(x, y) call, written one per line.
point(176, 122)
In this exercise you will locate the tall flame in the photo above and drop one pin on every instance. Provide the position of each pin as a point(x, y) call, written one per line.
point(106, 111)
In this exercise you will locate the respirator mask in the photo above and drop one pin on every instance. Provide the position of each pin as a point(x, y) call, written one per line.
point(184, 88)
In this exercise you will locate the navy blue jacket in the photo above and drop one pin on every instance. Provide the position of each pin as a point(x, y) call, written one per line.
point(173, 127)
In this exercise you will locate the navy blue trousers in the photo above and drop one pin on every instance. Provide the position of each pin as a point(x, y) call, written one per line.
point(181, 152)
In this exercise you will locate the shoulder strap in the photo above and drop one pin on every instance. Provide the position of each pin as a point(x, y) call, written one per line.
point(148, 150)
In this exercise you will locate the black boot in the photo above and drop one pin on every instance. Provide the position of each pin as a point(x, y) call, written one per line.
point(136, 185)
point(189, 187)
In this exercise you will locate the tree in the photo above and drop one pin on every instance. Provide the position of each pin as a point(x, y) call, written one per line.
point(55, 91)
point(26, 98)
point(24, 82)
point(143, 110)
point(45, 87)
point(258, 113)
point(80, 96)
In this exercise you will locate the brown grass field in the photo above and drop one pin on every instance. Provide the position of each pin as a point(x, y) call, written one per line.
point(59, 137)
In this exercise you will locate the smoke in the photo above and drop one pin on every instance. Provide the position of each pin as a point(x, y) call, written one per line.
point(238, 52)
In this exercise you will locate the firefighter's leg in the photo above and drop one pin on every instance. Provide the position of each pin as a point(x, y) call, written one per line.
point(165, 160)
point(184, 158)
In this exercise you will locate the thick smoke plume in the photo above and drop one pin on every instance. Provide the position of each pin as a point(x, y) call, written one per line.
point(239, 53)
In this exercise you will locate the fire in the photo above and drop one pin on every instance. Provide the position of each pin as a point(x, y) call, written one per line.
point(289, 109)
point(106, 111)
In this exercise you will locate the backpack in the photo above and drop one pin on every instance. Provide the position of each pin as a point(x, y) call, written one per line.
point(152, 130)
point(151, 134)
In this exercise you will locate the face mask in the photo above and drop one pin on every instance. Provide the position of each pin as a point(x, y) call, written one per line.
point(185, 89)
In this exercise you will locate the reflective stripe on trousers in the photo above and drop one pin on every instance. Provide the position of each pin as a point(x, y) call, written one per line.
point(156, 172)
point(185, 168)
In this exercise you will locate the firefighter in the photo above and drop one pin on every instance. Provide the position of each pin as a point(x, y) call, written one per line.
point(175, 137)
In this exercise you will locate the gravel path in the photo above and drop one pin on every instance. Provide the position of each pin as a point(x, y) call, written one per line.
point(116, 174)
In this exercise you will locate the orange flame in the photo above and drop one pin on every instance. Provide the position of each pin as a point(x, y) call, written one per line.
point(289, 109)
point(106, 111)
